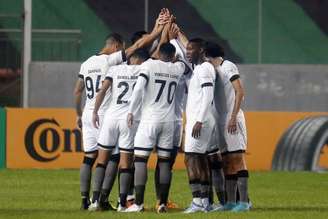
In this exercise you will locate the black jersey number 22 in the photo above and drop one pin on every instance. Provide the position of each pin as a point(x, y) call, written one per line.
point(125, 85)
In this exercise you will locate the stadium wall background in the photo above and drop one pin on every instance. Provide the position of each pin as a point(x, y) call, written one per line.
point(45, 135)
point(48, 138)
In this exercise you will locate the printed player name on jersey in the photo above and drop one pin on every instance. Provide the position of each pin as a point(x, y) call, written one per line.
point(94, 71)
point(166, 75)
point(132, 77)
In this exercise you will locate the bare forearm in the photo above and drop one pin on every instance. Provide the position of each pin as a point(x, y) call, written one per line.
point(99, 99)
point(144, 41)
point(183, 39)
point(78, 101)
point(239, 95)
point(164, 39)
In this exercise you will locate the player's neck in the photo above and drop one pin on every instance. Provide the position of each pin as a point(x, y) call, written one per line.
point(217, 61)
point(199, 61)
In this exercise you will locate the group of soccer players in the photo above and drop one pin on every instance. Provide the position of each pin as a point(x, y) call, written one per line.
point(135, 101)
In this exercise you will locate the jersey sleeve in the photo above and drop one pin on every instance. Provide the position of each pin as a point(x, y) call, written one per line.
point(232, 72)
point(144, 71)
point(136, 96)
point(109, 74)
point(206, 75)
point(181, 67)
point(81, 72)
point(206, 78)
point(116, 58)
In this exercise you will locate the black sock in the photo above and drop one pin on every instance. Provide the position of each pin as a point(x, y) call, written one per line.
point(222, 197)
point(164, 193)
point(95, 196)
point(242, 184)
point(156, 179)
point(231, 187)
point(140, 192)
point(103, 196)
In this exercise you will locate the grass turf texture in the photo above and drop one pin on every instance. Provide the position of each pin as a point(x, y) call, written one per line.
point(55, 194)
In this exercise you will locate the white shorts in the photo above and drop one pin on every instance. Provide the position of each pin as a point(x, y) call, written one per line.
point(205, 142)
point(116, 134)
point(151, 134)
point(89, 132)
point(177, 135)
point(234, 142)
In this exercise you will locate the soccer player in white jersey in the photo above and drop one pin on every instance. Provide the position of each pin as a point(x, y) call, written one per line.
point(232, 126)
point(180, 103)
point(114, 132)
point(104, 173)
point(158, 80)
point(200, 126)
point(91, 75)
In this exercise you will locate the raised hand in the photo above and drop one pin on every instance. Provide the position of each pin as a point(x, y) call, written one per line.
point(174, 31)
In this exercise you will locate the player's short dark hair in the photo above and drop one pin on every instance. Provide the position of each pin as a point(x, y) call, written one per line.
point(198, 41)
point(141, 53)
point(137, 35)
point(213, 50)
point(114, 37)
point(167, 49)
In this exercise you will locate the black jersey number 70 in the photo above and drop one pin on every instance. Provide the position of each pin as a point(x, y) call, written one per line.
point(171, 90)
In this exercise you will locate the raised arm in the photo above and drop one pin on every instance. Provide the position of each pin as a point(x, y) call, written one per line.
point(99, 99)
point(149, 38)
point(164, 37)
point(182, 38)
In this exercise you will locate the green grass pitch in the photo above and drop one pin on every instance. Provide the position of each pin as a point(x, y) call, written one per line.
point(55, 194)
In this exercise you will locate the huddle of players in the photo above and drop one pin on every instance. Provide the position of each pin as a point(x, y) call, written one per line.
point(135, 102)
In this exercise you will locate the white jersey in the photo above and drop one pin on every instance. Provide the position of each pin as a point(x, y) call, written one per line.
point(225, 93)
point(93, 72)
point(203, 77)
point(181, 91)
point(124, 78)
point(159, 81)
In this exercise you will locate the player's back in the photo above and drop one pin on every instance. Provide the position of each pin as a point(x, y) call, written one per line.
point(93, 72)
point(123, 78)
point(162, 80)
